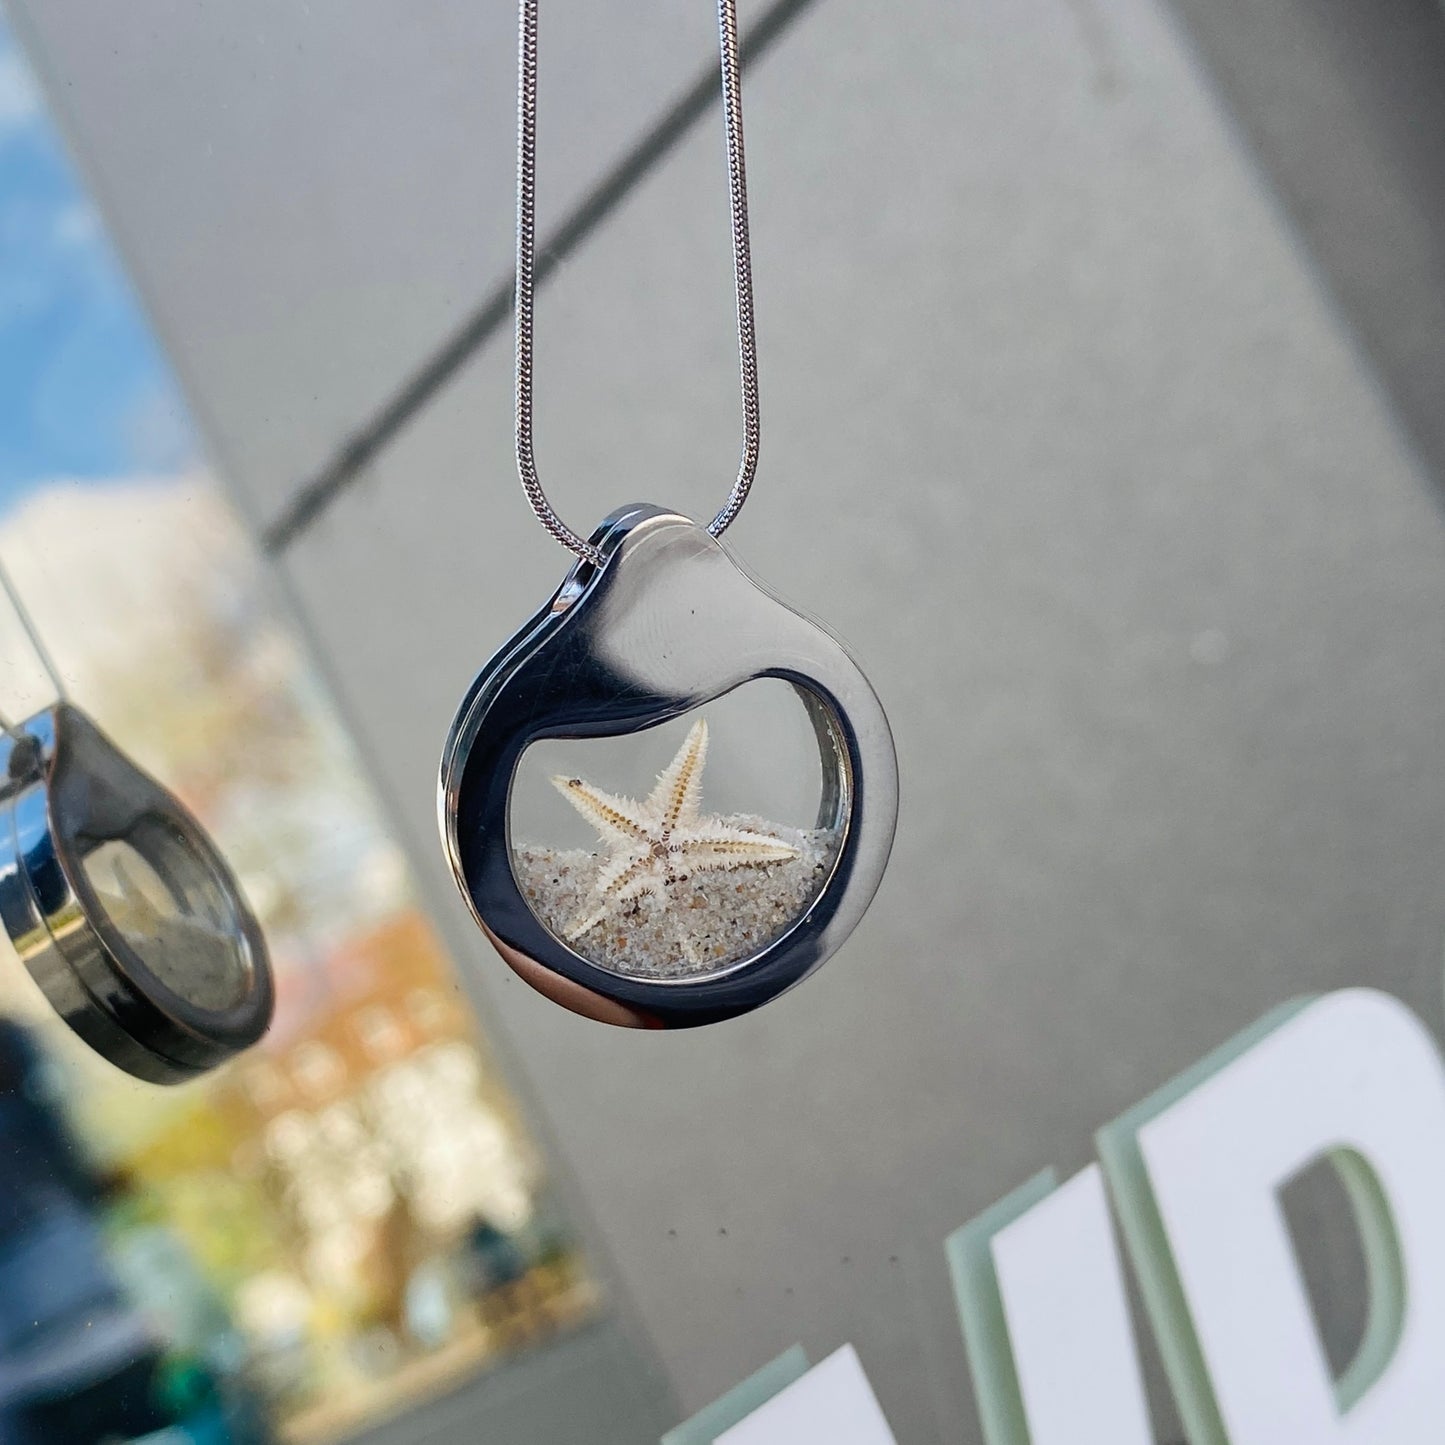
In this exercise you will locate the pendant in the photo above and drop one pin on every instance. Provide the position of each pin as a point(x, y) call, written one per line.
point(121, 907)
point(678, 915)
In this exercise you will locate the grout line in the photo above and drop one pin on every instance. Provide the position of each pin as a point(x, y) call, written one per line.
point(311, 498)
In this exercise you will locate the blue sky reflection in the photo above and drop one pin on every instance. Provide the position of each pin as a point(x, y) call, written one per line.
point(84, 390)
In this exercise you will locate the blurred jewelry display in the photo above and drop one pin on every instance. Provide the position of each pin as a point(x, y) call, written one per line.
point(684, 917)
point(121, 907)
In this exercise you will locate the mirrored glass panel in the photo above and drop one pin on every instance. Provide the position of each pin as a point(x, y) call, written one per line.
point(354, 1216)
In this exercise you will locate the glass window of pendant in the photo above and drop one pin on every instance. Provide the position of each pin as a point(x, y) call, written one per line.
point(682, 851)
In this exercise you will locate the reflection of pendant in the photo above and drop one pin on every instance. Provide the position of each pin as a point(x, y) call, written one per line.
point(666, 624)
point(124, 912)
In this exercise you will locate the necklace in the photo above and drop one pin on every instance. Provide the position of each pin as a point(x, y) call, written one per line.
point(684, 917)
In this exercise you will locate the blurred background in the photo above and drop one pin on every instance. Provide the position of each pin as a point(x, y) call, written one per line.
point(354, 1216)
point(1102, 355)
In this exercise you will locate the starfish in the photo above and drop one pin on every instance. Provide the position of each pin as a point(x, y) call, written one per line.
point(664, 840)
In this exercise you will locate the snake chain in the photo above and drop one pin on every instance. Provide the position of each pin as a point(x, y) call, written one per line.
point(526, 262)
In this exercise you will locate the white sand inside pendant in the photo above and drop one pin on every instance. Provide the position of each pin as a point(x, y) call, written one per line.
point(704, 924)
point(192, 957)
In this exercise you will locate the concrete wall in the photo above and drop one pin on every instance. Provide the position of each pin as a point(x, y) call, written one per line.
point(1062, 431)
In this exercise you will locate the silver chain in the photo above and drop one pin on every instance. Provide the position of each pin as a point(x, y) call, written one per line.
point(526, 261)
point(32, 634)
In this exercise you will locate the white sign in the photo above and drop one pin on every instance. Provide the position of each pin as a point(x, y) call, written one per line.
point(833, 1404)
point(1194, 1176)
point(1354, 1078)
point(1062, 1294)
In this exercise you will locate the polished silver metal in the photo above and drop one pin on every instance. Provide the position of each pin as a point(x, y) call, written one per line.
point(165, 995)
point(665, 622)
point(526, 262)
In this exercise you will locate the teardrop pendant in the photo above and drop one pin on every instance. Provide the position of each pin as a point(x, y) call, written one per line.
point(685, 916)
